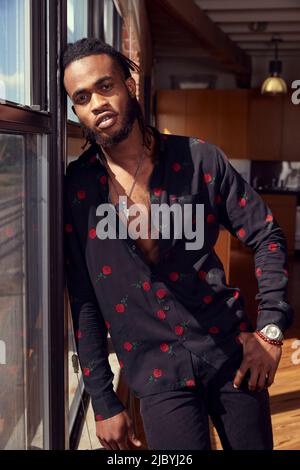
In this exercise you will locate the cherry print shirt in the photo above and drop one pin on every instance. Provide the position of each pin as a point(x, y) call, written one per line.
point(157, 314)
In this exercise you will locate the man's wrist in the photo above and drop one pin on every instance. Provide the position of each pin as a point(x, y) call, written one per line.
point(272, 334)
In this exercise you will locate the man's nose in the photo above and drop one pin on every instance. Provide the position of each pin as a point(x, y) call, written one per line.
point(97, 102)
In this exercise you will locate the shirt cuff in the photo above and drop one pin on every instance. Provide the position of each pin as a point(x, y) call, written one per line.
point(106, 406)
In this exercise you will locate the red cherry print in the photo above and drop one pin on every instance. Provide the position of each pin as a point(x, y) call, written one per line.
point(127, 346)
point(269, 218)
point(242, 202)
point(190, 383)
point(92, 233)
point(202, 275)
point(176, 167)
point(99, 418)
point(107, 324)
point(214, 330)
point(210, 218)
point(68, 228)
point(161, 293)
point(236, 294)
point(86, 371)
point(164, 347)
point(207, 299)
point(161, 314)
point(106, 270)
point(179, 330)
point(258, 272)
point(146, 286)
point(241, 233)
point(121, 364)
point(157, 373)
point(81, 194)
point(103, 179)
point(78, 334)
point(243, 326)
point(207, 178)
point(273, 246)
point(218, 199)
point(157, 192)
point(174, 276)
point(120, 308)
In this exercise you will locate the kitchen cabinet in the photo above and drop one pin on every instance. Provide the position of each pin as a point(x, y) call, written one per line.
point(290, 149)
point(171, 112)
point(202, 114)
point(265, 126)
point(243, 123)
point(217, 116)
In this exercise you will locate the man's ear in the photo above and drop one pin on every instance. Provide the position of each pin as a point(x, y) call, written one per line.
point(131, 86)
point(73, 109)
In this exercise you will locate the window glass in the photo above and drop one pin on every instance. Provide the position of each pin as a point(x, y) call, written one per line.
point(15, 51)
point(77, 29)
point(23, 291)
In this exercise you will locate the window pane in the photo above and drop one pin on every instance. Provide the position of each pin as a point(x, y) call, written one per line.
point(77, 29)
point(15, 51)
point(23, 291)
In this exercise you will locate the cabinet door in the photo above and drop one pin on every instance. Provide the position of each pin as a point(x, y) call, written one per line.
point(202, 114)
point(265, 126)
point(233, 122)
point(171, 111)
point(291, 130)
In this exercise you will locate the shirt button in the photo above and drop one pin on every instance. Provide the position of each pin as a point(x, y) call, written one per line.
point(133, 247)
point(166, 307)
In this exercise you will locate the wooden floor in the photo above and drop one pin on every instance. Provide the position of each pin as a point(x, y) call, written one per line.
point(285, 391)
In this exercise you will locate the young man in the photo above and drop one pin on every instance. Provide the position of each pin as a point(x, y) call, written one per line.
point(181, 335)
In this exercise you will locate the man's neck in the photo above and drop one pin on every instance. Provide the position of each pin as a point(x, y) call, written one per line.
point(127, 153)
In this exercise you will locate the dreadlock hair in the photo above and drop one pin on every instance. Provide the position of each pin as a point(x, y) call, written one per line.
point(90, 46)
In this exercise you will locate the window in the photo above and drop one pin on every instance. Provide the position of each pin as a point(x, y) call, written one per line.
point(15, 51)
point(77, 29)
point(23, 290)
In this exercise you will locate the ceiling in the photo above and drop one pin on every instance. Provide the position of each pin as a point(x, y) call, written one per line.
point(252, 23)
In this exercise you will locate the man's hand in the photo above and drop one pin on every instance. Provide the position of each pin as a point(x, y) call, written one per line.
point(116, 433)
point(261, 358)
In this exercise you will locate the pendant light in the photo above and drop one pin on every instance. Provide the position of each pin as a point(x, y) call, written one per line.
point(274, 84)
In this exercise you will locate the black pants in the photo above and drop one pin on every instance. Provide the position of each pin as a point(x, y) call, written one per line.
point(178, 419)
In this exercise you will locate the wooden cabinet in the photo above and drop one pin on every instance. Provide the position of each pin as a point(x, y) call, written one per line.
point(217, 116)
point(233, 122)
point(171, 112)
point(265, 126)
point(202, 114)
point(290, 149)
point(243, 123)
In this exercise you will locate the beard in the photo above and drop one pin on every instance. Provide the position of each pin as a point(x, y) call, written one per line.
point(130, 115)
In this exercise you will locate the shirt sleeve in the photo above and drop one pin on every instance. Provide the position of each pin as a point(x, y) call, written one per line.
point(89, 327)
point(244, 213)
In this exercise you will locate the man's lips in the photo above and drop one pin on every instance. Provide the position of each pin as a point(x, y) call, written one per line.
point(106, 119)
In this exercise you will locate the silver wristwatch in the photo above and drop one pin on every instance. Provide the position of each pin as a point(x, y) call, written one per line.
point(272, 331)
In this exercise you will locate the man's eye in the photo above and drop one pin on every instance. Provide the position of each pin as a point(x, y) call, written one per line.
point(106, 87)
point(81, 98)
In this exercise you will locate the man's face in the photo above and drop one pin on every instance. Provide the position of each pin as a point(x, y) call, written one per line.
point(102, 99)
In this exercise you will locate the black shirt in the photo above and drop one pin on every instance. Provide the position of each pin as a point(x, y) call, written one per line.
point(157, 314)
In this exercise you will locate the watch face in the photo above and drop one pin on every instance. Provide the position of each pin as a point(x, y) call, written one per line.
point(272, 332)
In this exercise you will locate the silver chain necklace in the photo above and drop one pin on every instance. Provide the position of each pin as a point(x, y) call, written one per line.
point(124, 207)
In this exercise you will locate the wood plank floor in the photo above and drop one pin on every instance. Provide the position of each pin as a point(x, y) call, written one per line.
point(285, 391)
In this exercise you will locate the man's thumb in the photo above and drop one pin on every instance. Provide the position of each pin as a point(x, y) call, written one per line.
point(133, 437)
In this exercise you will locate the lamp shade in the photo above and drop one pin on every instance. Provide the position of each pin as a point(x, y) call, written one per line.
point(274, 86)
